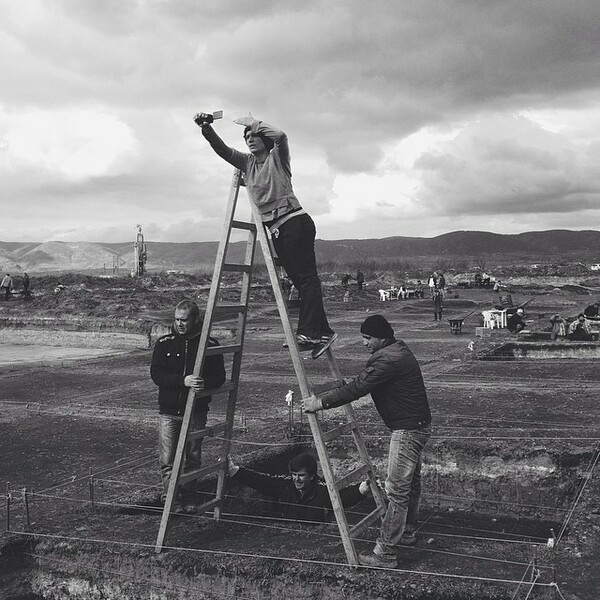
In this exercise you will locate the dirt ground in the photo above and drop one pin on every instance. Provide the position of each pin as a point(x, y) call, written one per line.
point(512, 459)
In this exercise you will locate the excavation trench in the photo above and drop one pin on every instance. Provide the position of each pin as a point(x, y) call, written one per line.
point(480, 503)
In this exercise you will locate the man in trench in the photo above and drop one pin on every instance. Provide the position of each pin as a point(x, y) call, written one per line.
point(302, 495)
point(393, 378)
point(172, 371)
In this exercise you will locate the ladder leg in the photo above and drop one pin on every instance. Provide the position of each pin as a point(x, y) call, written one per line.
point(213, 298)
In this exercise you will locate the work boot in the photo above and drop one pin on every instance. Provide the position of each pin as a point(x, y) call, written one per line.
point(370, 559)
point(408, 539)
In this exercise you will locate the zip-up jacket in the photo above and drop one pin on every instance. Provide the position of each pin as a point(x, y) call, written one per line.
point(315, 505)
point(393, 378)
point(173, 358)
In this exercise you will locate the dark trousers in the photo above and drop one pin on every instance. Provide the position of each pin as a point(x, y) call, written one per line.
point(295, 246)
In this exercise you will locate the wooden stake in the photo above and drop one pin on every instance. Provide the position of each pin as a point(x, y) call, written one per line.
point(26, 504)
point(91, 485)
point(7, 506)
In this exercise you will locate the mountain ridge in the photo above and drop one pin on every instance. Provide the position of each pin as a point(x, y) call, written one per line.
point(582, 245)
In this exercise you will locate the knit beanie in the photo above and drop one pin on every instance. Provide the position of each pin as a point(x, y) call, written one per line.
point(377, 326)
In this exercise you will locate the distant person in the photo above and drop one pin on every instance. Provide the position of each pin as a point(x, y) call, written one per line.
point(26, 286)
point(346, 279)
point(515, 322)
point(419, 293)
point(393, 378)
point(360, 279)
point(172, 371)
point(558, 327)
point(431, 284)
point(592, 310)
point(438, 304)
point(477, 280)
point(498, 286)
point(301, 495)
point(268, 178)
point(6, 286)
point(579, 330)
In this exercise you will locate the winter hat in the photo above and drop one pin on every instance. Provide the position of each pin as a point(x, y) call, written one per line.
point(377, 326)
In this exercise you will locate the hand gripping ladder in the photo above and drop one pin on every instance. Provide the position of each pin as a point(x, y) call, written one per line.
point(256, 231)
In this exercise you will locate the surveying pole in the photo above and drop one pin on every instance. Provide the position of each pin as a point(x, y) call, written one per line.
point(139, 254)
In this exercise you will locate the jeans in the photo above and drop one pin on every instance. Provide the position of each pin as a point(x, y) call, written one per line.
point(403, 488)
point(169, 427)
point(295, 246)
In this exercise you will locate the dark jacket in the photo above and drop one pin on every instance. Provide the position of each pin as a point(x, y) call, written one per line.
point(313, 506)
point(173, 358)
point(393, 378)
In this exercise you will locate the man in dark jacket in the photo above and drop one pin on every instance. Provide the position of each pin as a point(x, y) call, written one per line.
point(302, 495)
point(393, 378)
point(172, 365)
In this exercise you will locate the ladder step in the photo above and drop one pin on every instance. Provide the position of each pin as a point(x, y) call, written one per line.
point(195, 474)
point(326, 387)
point(353, 477)
point(237, 267)
point(207, 505)
point(372, 517)
point(338, 431)
point(231, 309)
point(243, 225)
point(226, 387)
point(207, 431)
point(212, 350)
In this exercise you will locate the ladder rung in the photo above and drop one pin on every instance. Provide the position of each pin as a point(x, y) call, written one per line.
point(207, 505)
point(207, 431)
point(353, 477)
point(199, 473)
point(243, 225)
point(237, 267)
point(226, 387)
point(336, 432)
point(326, 387)
point(231, 308)
point(356, 530)
point(211, 350)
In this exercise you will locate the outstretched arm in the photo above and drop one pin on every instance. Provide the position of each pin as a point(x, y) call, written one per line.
point(231, 155)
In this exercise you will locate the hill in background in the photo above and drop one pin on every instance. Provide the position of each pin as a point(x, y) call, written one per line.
point(474, 246)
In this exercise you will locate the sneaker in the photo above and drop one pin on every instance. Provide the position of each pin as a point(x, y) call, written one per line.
point(304, 343)
point(371, 559)
point(408, 539)
point(325, 343)
point(304, 339)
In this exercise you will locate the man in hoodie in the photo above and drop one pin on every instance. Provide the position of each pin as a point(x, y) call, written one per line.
point(172, 365)
point(393, 378)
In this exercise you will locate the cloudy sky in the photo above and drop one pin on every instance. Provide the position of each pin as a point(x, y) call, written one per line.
point(405, 117)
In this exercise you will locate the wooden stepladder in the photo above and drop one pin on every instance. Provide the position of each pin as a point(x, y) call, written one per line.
point(257, 232)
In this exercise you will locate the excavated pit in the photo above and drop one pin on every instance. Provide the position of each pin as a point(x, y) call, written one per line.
point(527, 350)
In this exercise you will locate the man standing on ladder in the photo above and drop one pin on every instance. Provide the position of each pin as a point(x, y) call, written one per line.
point(393, 378)
point(268, 178)
point(172, 365)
